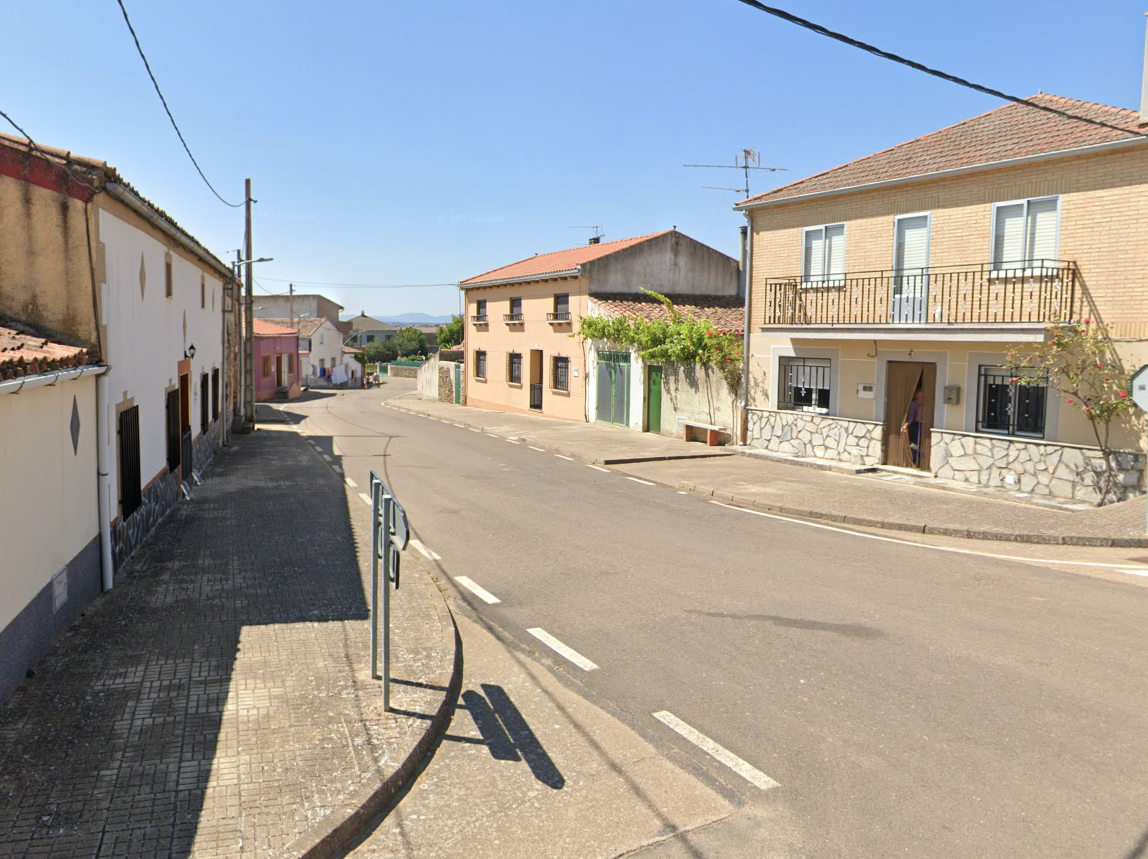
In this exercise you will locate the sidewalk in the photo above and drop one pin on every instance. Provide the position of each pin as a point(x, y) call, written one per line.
point(217, 702)
point(871, 500)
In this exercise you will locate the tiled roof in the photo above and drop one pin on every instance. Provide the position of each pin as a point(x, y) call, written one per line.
point(24, 354)
point(723, 311)
point(351, 350)
point(556, 261)
point(263, 328)
point(305, 325)
point(1012, 131)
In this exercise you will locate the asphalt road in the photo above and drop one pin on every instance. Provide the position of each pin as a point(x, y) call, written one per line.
point(906, 702)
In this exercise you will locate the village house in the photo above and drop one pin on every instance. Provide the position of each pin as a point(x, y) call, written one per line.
point(908, 274)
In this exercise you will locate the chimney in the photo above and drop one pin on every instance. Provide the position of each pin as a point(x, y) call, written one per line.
point(595, 240)
point(1144, 78)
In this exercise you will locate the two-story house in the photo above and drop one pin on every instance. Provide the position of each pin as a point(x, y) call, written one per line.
point(521, 320)
point(891, 287)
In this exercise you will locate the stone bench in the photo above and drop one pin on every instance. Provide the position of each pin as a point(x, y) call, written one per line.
point(713, 433)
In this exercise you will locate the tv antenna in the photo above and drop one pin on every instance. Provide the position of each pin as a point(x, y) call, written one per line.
point(746, 160)
point(597, 228)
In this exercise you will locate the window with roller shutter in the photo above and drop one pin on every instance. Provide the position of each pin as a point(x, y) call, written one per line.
point(1026, 234)
point(823, 255)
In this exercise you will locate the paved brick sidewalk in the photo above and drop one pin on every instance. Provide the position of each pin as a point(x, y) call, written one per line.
point(218, 701)
point(888, 502)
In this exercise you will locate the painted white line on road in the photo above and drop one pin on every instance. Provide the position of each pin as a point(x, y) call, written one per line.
point(598, 468)
point(539, 449)
point(480, 592)
point(338, 469)
point(366, 499)
point(1132, 571)
point(512, 441)
point(950, 549)
point(327, 458)
point(567, 458)
point(643, 482)
point(421, 548)
point(350, 482)
point(472, 429)
point(560, 648)
point(751, 774)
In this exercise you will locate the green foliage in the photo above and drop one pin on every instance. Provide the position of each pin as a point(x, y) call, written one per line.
point(410, 341)
point(451, 333)
point(674, 339)
point(1079, 363)
point(383, 351)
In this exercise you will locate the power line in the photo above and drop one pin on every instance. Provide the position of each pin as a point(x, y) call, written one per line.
point(937, 73)
point(36, 146)
point(364, 285)
point(159, 92)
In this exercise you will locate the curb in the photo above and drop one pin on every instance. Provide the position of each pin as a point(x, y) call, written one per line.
point(917, 527)
point(334, 834)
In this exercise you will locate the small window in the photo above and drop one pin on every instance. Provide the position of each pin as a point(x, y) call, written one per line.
point(168, 288)
point(202, 292)
point(266, 366)
point(480, 364)
point(514, 368)
point(215, 394)
point(204, 402)
point(291, 362)
point(823, 255)
point(561, 374)
point(1005, 407)
point(515, 314)
point(480, 309)
point(1026, 234)
point(803, 384)
point(562, 303)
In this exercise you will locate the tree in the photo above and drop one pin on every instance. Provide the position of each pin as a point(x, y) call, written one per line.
point(1080, 364)
point(411, 341)
point(451, 333)
point(380, 351)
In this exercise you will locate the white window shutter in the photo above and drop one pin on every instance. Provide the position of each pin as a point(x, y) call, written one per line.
point(1041, 230)
point(913, 244)
point(1008, 236)
point(814, 254)
point(835, 251)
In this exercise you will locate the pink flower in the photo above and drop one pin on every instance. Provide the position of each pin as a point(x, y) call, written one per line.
point(1071, 400)
point(1123, 395)
point(1087, 321)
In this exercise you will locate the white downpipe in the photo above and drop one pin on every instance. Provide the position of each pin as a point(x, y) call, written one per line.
point(104, 480)
point(27, 383)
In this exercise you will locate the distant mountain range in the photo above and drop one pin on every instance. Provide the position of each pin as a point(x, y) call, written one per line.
point(414, 319)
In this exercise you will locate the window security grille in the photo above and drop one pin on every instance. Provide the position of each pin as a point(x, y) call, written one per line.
point(561, 380)
point(514, 368)
point(1005, 407)
point(804, 384)
point(480, 364)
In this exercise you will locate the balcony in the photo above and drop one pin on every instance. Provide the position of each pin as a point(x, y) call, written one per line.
point(512, 318)
point(558, 317)
point(1035, 292)
point(479, 319)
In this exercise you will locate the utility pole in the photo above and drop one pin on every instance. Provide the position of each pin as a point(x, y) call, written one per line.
point(249, 322)
point(291, 303)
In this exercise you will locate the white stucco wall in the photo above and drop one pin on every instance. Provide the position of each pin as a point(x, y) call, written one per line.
point(326, 344)
point(48, 495)
point(147, 333)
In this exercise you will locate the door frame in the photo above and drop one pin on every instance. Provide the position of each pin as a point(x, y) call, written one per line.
point(891, 453)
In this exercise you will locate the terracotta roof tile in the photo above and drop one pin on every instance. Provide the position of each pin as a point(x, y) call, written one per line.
point(27, 354)
point(263, 328)
point(305, 325)
point(1012, 131)
point(556, 261)
point(723, 311)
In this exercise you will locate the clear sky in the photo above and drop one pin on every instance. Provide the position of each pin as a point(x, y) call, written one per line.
point(423, 143)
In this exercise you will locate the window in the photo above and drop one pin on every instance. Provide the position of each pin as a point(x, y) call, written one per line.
point(370, 338)
point(561, 309)
point(1006, 408)
point(480, 364)
point(202, 292)
point(266, 366)
point(514, 368)
point(823, 257)
point(515, 314)
point(291, 362)
point(480, 310)
point(168, 288)
point(803, 384)
point(204, 401)
point(215, 394)
point(129, 443)
point(1025, 233)
point(560, 380)
point(172, 421)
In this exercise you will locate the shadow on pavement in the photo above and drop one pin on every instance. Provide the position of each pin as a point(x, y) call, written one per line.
point(508, 736)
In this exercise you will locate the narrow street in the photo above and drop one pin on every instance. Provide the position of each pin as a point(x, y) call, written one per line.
point(882, 698)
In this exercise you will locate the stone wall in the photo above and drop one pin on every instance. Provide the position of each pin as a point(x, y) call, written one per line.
point(816, 436)
point(1063, 471)
point(398, 371)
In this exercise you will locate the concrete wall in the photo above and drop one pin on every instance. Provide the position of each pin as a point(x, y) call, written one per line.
point(428, 379)
point(48, 518)
point(498, 339)
point(280, 307)
point(692, 392)
point(672, 264)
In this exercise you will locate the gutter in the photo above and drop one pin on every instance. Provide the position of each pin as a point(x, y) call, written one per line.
point(124, 195)
point(27, 383)
point(955, 171)
point(570, 272)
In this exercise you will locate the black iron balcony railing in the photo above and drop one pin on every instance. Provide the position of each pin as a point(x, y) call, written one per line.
point(558, 316)
point(512, 318)
point(479, 319)
point(1033, 291)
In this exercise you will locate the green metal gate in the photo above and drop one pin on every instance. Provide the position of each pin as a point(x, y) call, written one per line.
point(614, 387)
point(654, 400)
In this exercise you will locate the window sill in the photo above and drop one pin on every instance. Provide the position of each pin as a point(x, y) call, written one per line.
point(514, 384)
point(480, 378)
point(564, 391)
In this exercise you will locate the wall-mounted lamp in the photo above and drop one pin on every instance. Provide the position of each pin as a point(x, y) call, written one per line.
point(189, 352)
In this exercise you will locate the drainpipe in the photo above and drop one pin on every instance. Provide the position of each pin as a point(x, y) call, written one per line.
point(104, 479)
point(746, 265)
point(1144, 80)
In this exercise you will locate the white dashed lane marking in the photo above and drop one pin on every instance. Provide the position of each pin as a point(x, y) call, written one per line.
point(567, 458)
point(328, 458)
point(643, 482)
point(366, 498)
point(421, 548)
point(751, 774)
point(481, 592)
point(598, 468)
point(350, 482)
point(561, 649)
point(338, 469)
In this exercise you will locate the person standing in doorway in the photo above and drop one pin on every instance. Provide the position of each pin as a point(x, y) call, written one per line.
point(912, 426)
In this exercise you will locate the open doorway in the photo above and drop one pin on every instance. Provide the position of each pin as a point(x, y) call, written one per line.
point(910, 396)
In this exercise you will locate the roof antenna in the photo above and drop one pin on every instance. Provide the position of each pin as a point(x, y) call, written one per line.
point(597, 228)
point(746, 160)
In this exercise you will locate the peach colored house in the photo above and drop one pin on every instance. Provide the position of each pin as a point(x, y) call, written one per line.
point(521, 319)
point(916, 268)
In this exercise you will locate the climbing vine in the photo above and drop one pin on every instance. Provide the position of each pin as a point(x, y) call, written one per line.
point(674, 339)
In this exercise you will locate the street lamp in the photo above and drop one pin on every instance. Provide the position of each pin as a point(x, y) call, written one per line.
point(247, 351)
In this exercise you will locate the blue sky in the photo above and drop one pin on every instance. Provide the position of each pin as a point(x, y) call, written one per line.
point(423, 143)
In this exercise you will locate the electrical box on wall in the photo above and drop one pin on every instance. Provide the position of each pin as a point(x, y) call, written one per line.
point(866, 391)
point(952, 395)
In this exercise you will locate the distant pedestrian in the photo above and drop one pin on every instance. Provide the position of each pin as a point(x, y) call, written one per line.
point(912, 426)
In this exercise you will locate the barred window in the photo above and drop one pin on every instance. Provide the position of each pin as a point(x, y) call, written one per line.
point(480, 364)
point(804, 384)
point(514, 368)
point(1005, 407)
point(560, 380)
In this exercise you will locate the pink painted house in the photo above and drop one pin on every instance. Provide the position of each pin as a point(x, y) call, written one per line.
point(276, 362)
